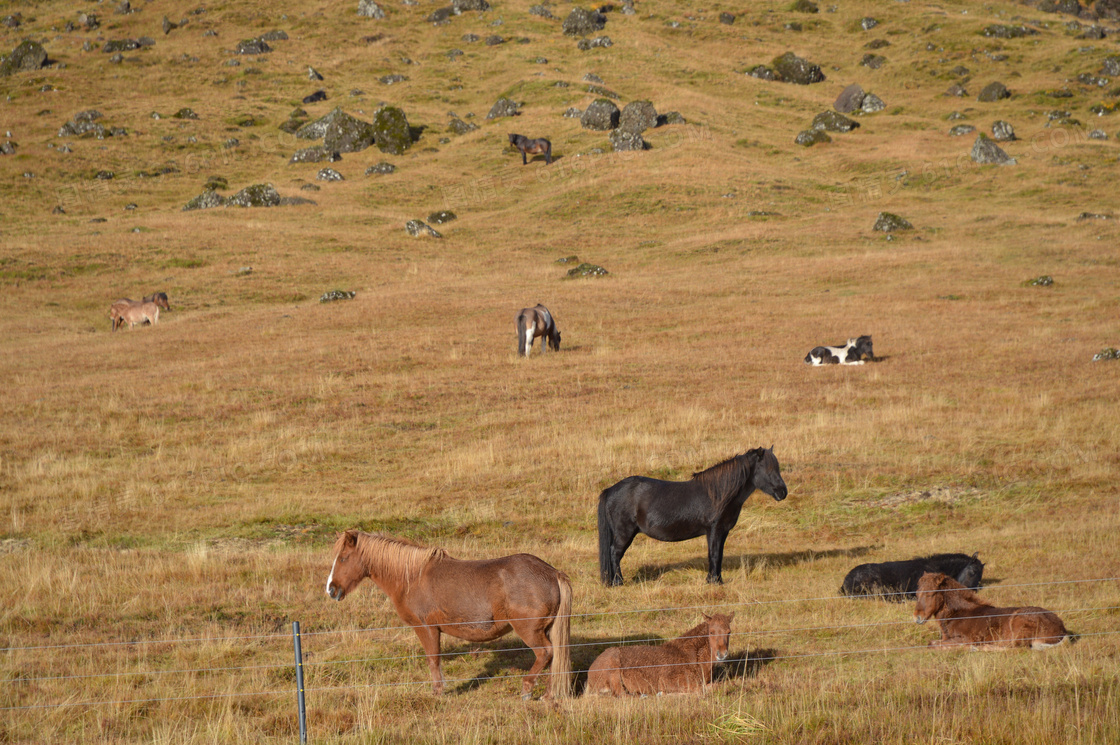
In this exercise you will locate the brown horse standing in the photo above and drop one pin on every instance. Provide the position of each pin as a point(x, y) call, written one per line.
point(966, 620)
point(532, 147)
point(116, 309)
point(682, 665)
point(534, 322)
point(160, 299)
point(474, 600)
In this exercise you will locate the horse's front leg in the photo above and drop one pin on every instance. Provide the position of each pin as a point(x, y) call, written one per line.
point(716, 538)
point(524, 160)
point(429, 639)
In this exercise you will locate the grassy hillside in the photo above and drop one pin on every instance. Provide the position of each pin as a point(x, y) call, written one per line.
point(169, 495)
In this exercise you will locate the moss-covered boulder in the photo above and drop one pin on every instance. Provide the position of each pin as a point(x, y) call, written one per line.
point(346, 134)
point(810, 137)
point(391, 131)
point(439, 218)
point(581, 22)
point(986, 152)
point(637, 117)
point(830, 121)
point(503, 107)
point(587, 270)
point(28, 55)
point(204, 201)
point(993, 92)
point(793, 69)
point(622, 141)
point(257, 195)
point(601, 115)
point(888, 222)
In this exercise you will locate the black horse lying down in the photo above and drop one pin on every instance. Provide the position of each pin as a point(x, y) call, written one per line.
point(898, 580)
point(533, 147)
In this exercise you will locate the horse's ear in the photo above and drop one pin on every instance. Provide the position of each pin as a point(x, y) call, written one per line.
point(706, 616)
point(976, 555)
point(731, 617)
point(352, 537)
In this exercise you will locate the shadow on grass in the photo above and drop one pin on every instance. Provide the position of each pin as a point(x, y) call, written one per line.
point(651, 572)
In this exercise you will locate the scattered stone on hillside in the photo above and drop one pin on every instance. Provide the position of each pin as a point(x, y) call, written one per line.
point(587, 270)
point(877, 44)
point(1004, 31)
point(871, 104)
point(573, 113)
point(867, 23)
point(1094, 216)
point(120, 45)
point(440, 16)
point(310, 187)
point(794, 69)
point(313, 74)
point(204, 201)
point(987, 152)
point(88, 21)
point(253, 46)
point(1093, 32)
point(8, 147)
point(1098, 134)
point(105, 175)
point(598, 41)
point(961, 129)
point(503, 107)
point(573, 259)
point(257, 195)
point(850, 99)
point(418, 228)
point(317, 154)
point(329, 174)
point(601, 114)
point(1110, 65)
point(85, 124)
point(184, 113)
point(317, 129)
point(12, 21)
point(274, 35)
point(124, 7)
point(460, 127)
point(439, 218)
point(336, 295)
point(391, 131)
point(1044, 281)
point(793, 26)
point(493, 41)
point(1062, 118)
point(1108, 353)
point(671, 117)
point(461, 6)
point(727, 18)
point(830, 121)
point(592, 78)
point(316, 97)
point(370, 9)
point(888, 222)
point(598, 90)
point(381, 168)
point(957, 90)
point(1059, 93)
point(582, 22)
point(993, 92)
point(763, 72)
point(1104, 109)
point(804, 6)
point(470, 38)
point(810, 137)
point(873, 61)
point(540, 10)
point(637, 117)
point(623, 141)
point(392, 79)
point(1003, 131)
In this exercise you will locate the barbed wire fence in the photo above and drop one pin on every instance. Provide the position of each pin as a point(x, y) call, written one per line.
point(320, 667)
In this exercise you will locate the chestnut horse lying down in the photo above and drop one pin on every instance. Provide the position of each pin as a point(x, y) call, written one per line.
point(474, 600)
point(965, 620)
point(682, 665)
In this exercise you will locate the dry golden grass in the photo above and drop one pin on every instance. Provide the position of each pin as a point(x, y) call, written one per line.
point(168, 495)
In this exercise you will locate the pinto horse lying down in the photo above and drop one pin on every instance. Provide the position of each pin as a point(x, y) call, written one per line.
point(532, 147)
point(682, 665)
point(965, 620)
point(851, 353)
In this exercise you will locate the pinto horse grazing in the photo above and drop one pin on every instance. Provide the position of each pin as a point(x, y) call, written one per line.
point(133, 313)
point(965, 620)
point(851, 353)
point(160, 299)
point(474, 600)
point(682, 665)
point(898, 580)
point(706, 505)
point(532, 147)
point(534, 322)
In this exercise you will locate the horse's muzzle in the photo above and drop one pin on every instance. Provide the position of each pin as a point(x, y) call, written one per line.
point(721, 655)
point(919, 619)
point(335, 592)
point(780, 493)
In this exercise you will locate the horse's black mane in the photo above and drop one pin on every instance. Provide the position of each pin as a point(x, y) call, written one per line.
point(727, 478)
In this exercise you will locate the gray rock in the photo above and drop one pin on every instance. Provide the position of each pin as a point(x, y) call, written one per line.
point(257, 195)
point(336, 295)
point(460, 127)
point(470, 38)
point(888, 222)
point(120, 45)
point(957, 90)
point(581, 22)
point(867, 23)
point(830, 121)
point(810, 137)
point(871, 104)
point(418, 228)
point(8, 147)
point(850, 99)
point(1111, 65)
point(439, 218)
point(381, 168)
point(1002, 131)
point(370, 9)
point(873, 61)
point(598, 41)
point(601, 114)
point(440, 16)
point(85, 124)
point(329, 174)
point(204, 201)
point(460, 6)
point(253, 46)
point(587, 270)
point(392, 79)
point(391, 131)
point(184, 113)
point(274, 35)
point(637, 117)
point(540, 10)
point(727, 18)
point(503, 107)
point(598, 90)
point(961, 129)
point(495, 40)
point(622, 140)
point(573, 113)
point(987, 152)
point(346, 134)
point(671, 117)
point(763, 72)
point(317, 129)
point(1004, 31)
point(794, 69)
point(1098, 134)
point(804, 6)
point(592, 78)
point(315, 154)
point(993, 92)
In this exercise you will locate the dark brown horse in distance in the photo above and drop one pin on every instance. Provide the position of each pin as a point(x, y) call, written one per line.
point(532, 147)
point(966, 620)
point(534, 322)
point(160, 299)
point(474, 600)
point(682, 665)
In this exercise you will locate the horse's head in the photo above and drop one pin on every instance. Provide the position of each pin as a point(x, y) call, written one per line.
point(348, 569)
point(864, 349)
point(719, 635)
point(931, 596)
point(554, 341)
point(767, 474)
point(513, 139)
point(972, 573)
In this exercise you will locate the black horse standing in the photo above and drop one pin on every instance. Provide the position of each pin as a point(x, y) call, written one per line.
point(706, 505)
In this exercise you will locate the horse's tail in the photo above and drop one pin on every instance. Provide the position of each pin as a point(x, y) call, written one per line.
point(522, 324)
point(606, 539)
point(561, 636)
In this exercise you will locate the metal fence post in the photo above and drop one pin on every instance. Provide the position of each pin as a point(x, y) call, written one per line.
point(299, 684)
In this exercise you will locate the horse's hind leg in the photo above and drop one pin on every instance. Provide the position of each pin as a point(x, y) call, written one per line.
point(623, 536)
point(538, 641)
point(524, 160)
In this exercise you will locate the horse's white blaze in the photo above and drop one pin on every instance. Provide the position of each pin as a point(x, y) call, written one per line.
point(330, 577)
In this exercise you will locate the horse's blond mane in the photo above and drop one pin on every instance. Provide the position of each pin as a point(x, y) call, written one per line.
point(389, 555)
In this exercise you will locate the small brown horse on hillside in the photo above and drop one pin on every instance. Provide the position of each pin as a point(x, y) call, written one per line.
point(534, 322)
point(532, 147)
point(131, 312)
point(474, 600)
point(966, 620)
point(160, 299)
point(682, 665)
